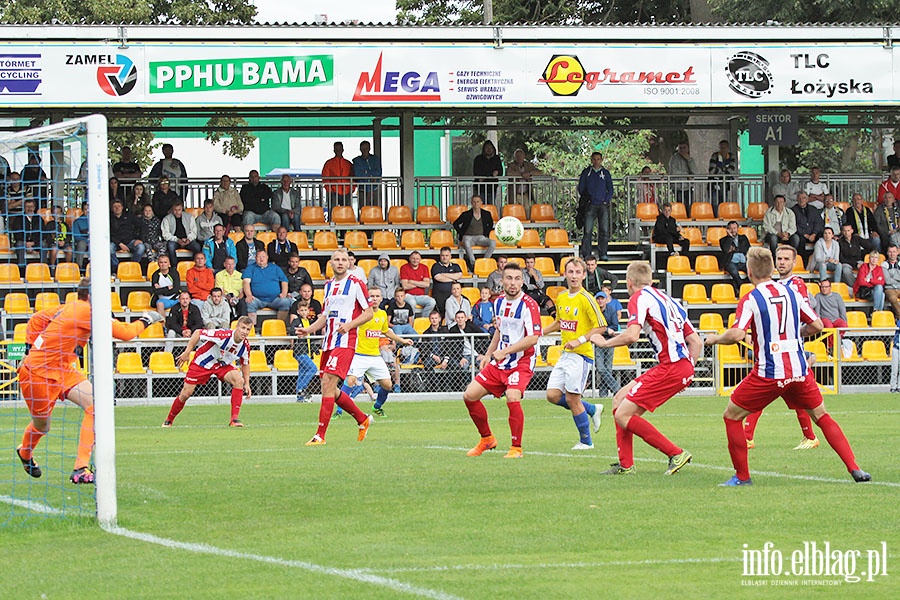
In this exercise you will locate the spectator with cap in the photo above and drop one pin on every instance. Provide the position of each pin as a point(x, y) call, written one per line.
point(603, 357)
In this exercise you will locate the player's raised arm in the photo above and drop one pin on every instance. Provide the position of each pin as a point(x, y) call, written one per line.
point(314, 327)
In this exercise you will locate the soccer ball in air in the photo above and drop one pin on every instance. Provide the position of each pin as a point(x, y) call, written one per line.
point(509, 230)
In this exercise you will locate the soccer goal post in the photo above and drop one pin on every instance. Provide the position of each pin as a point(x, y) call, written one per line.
point(58, 167)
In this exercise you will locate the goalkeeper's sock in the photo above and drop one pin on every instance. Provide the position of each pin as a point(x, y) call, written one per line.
point(325, 415)
point(381, 398)
point(30, 440)
point(345, 402)
point(590, 409)
point(237, 398)
point(85, 439)
point(177, 405)
point(583, 423)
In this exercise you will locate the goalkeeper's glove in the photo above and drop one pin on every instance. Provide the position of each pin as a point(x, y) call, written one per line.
point(150, 317)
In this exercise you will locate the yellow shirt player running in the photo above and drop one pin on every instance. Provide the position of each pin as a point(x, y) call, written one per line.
point(367, 361)
point(578, 317)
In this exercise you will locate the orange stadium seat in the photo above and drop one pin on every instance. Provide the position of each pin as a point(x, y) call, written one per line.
point(399, 215)
point(428, 215)
point(68, 273)
point(462, 266)
point(235, 236)
point(325, 240)
point(299, 238)
point(371, 215)
point(647, 211)
point(707, 264)
point(702, 211)
point(531, 238)
point(553, 291)
point(750, 232)
point(812, 288)
point(114, 299)
point(266, 236)
point(356, 240)
point(313, 215)
point(856, 319)
point(491, 209)
point(412, 239)
point(183, 267)
point(71, 214)
point(746, 288)
point(473, 294)
point(385, 240)
point(367, 264)
point(493, 236)
point(440, 238)
point(730, 211)
point(694, 235)
point(557, 238)
point(515, 210)
point(542, 213)
point(679, 265)
point(757, 210)
point(714, 234)
point(313, 268)
point(454, 210)
point(679, 212)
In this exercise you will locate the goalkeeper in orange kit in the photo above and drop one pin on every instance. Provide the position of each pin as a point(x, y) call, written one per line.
point(50, 373)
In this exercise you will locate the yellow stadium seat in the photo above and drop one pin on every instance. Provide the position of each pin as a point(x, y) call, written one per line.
point(750, 232)
point(462, 266)
point(440, 238)
point(695, 293)
point(68, 272)
point(385, 240)
point(299, 238)
point(557, 238)
point(367, 264)
point(622, 357)
point(546, 321)
point(553, 291)
point(319, 294)
point(679, 212)
point(731, 354)
point(757, 210)
point(812, 288)
point(883, 319)
point(356, 240)
point(711, 322)
point(313, 215)
point(856, 319)
point(38, 273)
point(484, 266)
point(154, 332)
point(45, 300)
point(545, 265)
point(162, 363)
point(881, 258)
point(258, 362)
point(694, 235)
point(138, 301)
point(17, 303)
point(543, 213)
point(454, 210)
point(371, 215)
point(343, 215)
point(114, 298)
point(730, 211)
point(646, 211)
point(515, 210)
point(702, 211)
point(313, 267)
point(707, 264)
point(531, 238)
point(723, 293)
point(266, 236)
point(9, 273)
point(428, 215)
point(746, 288)
point(818, 349)
point(679, 265)
point(732, 317)
point(399, 215)
point(491, 209)
point(235, 236)
point(493, 236)
point(854, 353)
point(129, 363)
point(20, 332)
point(412, 239)
point(129, 271)
point(714, 234)
point(273, 328)
point(799, 267)
point(420, 324)
point(152, 267)
point(325, 240)
point(182, 268)
point(553, 354)
point(285, 361)
point(841, 288)
point(562, 264)
point(473, 294)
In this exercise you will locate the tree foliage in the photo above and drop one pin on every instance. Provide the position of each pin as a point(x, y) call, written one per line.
point(558, 12)
point(806, 11)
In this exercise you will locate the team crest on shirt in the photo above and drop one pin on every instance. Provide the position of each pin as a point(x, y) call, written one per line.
point(504, 338)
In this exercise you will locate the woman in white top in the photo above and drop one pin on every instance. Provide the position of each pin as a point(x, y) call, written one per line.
point(827, 256)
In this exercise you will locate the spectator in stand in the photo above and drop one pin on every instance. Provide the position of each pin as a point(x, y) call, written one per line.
point(667, 231)
point(462, 349)
point(596, 275)
point(183, 320)
point(137, 198)
point(303, 352)
point(733, 260)
point(171, 169)
point(483, 312)
point(852, 250)
point(433, 344)
point(231, 282)
point(164, 198)
point(682, 167)
point(355, 269)
point(809, 225)
point(815, 188)
point(257, 200)
point(247, 247)
point(200, 280)
point(829, 306)
point(179, 230)
point(780, 226)
point(887, 220)
point(265, 286)
point(123, 235)
point(861, 219)
point(786, 187)
point(33, 176)
point(287, 204)
point(127, 168)
point(415, 279)
point(891, 185)
point(614, 302)
point(827, 256)
point(646, 192)
point(894, 159)
point(116, 192)
point(385, 277)
point(367, 173)
point(61, 240)
point(218, 248)
point(456, 302)
point(206, 221)
point(495, 278)
point(228, 204)
point(401, 314)
point(281, 248)
point(522, 172)
point(891, 268)
point(533, 285)
point(165, 286)
point(596, 185)
point(832, 215)
point(473, 228)
point(150, 232)
point(296, 275)
point(444, 273)
point(81, 236)
point(721, 163)
point(306, 294)
point(603, 357)
point(215, 311)
point(486, 168)
point(336, 174)
point(15, 194)
point(869, 283)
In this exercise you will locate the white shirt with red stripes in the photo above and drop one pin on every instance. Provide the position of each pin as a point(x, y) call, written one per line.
point(218, 348)
point(664, 321)
point(519, 318)
point(345, 299)
point(774, 314)
point(796, 283)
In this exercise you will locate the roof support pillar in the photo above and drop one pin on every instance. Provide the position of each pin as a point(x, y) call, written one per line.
point(408, 158)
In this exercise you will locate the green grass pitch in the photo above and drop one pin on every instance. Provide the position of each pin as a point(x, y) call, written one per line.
point(407, 514)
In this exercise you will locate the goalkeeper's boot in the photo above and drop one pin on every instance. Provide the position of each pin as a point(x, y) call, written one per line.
point(486, 443)
point(678, 461)
point(514, 452)
point(807, 444)
point(316, 441)
point(617, 469)
point(859, 476)
point(29, 465)
point(582, 446)
point(364, 428)
point(82, 475)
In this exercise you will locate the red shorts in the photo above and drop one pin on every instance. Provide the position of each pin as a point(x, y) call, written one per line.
point(755, 393)
point(656, 386)
point(496, 381)
point(336, 361)
point(42, 392)
point(197, 375)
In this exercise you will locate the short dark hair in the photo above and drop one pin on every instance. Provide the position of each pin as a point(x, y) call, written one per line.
point(511, 266)
point(215, 289)
point(293, 255)
point(84, 288)
point(447, 248)
point(728, 224)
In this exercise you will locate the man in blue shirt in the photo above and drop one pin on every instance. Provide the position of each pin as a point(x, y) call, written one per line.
point(80, 235)
point(265, 286)
point(596, 183)
point(367, 173)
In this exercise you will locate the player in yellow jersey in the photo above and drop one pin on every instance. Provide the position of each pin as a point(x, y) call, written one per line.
point(578, 317)
point(367, 361)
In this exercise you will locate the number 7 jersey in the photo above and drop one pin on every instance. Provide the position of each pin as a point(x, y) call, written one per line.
point(664, 321)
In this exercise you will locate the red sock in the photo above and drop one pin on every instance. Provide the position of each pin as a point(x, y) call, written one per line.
point(237, 398)
point(837, 440)
point(325, 416)
point(650, 434)
point(480, 417)
point(347, 404)
point(806, 425)
point(750, 424)
point(624, 446)
point(30, 440)
point(516, 422)
point(177, 405)
point(737, 448)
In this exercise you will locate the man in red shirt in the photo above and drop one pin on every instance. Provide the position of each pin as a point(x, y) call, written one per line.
point(891, 184)
point(415, 278)
point(336, 175)
point(200, 280)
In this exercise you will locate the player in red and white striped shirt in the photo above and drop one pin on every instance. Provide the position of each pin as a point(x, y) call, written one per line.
point(216, 354)
point(508, 363)
point(677, 347)
point(346, 307)
point(785, 258)
point(778, 319)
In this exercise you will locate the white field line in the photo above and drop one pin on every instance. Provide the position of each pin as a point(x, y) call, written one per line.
point(38, 507)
